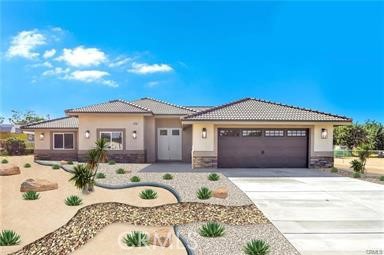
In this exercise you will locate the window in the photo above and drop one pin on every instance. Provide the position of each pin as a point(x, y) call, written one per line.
point(251, 132)
point(163, 132)
point(274, 132)
point(229, 132)
point(62, 141)
point(114, 139)
point(296, 132)
point(175, 132)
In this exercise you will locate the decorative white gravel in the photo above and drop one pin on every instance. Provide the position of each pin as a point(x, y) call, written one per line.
point(235, 238)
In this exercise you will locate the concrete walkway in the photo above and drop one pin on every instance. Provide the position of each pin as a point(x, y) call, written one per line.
point(322, 216)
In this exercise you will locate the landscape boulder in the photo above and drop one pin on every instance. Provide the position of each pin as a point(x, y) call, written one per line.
point(221, 192)
point(63, 162)
point(9, 170)
point(161, 237)
point(38, 185)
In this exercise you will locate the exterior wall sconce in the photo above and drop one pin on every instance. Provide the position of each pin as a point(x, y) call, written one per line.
point(87, 134)
point(324, 133)
point(134, 134)
point(41, 136)
point(204, 133)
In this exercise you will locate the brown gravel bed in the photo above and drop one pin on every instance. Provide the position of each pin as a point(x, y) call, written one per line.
point(89, 220)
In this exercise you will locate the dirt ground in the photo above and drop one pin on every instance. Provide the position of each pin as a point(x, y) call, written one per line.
point(36, 218)
point(373, 166)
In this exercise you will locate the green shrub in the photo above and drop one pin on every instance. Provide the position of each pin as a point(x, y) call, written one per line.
point(136, 239)
point(213, 177)
point(334, 170)
point(120, 171)
point(8, 238)
point(204, 193)
point(111, 162)
point(148, 194)
point(212, 229)
point(382, 178)
point(31, 195)
point(55, 166)
point(135, 179)
point(100, 175)
point(256, 247)
point(357, 165)
point(167, 176)
point(15, 146)
point(27, 165)
point(70, 162)
point(82, 176)
point(356, 175)
point(73, 201)
point(4, 161)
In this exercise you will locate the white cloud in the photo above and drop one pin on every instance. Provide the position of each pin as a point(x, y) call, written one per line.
point(89, 76)
point(81, 56)
point(152, 84)
point(119, 62)
point(56, 71)
point(49, 53)
point(24, 44)
point(143, 68)
point(43, 64)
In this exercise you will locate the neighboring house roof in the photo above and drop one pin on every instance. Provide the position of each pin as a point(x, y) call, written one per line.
point(10, 128)
point(114, 106)
point(199, 108)
point(250, 109)
point(163, 108)
point(60, 123)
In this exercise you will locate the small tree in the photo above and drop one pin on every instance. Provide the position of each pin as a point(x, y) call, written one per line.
point(15, 146)
point(95, 156)
point(363, 153)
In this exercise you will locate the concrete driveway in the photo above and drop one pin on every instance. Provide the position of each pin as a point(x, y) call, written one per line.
point(323, 215)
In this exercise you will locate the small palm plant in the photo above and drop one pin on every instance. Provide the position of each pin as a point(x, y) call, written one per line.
point(73, 201)
point(204, 193)
point(256, 247)
point(212, 229)
point(31, 195)
point(136, 239)
point(148, 194)
point(213, 177)
point(82, 176)
point(9, 237)
point(27, 165)
point(167, 176)
point(135, 179)
point(357, 166)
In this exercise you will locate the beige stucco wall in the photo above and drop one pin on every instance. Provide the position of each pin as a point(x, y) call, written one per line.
point(150, 138)
point(203, 144)
point(323, 144)
point(92, 122)
point(45, 143)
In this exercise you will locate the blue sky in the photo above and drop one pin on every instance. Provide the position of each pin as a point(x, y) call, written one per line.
point(322, 55)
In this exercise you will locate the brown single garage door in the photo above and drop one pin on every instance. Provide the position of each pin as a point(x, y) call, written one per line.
point(280, 148)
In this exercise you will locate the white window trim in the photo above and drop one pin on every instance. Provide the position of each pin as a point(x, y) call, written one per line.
point(110, 132)
point(67, 149)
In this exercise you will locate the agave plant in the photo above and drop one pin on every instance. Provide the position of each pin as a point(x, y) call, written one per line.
point(31, 195)
point(100, 176)
point(27, 165)
point(136, 239)
point(256, 247)
point(8, 238)
point(4, 161)
point(135, 179)
point(212, 229)
point(204, 193)
point(82, 176)
point(167, 176)
point(148, 194)
point(213, 177)
point(73, 201)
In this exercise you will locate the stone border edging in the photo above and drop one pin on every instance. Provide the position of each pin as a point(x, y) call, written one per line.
point(183, 240)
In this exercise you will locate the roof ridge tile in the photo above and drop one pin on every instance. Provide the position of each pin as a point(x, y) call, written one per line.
point(167, 103)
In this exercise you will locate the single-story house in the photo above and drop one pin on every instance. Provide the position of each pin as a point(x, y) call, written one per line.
point(245, 133)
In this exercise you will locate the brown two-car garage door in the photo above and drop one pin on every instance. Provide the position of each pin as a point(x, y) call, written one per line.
point(280, 148)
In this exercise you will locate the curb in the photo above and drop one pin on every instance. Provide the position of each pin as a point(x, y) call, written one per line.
point(183, 240)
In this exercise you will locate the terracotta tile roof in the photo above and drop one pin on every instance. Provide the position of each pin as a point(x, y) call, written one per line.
point(163, 108)
point(62, 123)
point(250, 109)
point(114, 106)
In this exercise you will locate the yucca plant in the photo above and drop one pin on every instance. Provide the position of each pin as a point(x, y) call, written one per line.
point(120, 171)
point(204, 193)
point(27, 165)
point(111, 162)
point(136, 239)
point(135, 179)
point(212, 229)
point(100, 176)
point(31, 195)
point(357, 165)
point(9, 237)
point(73, 201)
point(167, 176)
point(82, 176)
point(55, 167)
point(4, 161)
point(148, 194)
point(334, 170)
point(256, 247)
point(213, 177)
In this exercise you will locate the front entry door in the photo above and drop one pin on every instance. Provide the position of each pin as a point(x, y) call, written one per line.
point(169, 144)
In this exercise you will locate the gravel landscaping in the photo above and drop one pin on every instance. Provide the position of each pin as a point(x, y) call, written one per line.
point(235, 238)
point(364, 177)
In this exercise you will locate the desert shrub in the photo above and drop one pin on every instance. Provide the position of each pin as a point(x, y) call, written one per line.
point(120, 171)
point(334, 170)
point(356, 175)
point(31, 195)
point(135, 179)
point(204, 193)
point(111, 162)
point(136, 239)
point(256, 247)
point(73, 201)
point(357, 165)
point(148, 194)
point(4, 161)
point(382, 178)
point(9, 237)
point(212, 229)
point(55, 167)
point(27, 165)
point(15, 146)
point(100, 175)
point(167, 176)
point(213, 177)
